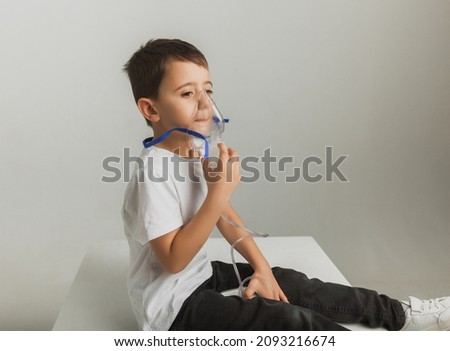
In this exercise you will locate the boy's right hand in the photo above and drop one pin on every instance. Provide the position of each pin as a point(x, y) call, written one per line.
point(223, 174)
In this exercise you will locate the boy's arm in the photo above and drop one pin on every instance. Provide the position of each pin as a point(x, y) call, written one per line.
point(263, 276)
point(177, 248)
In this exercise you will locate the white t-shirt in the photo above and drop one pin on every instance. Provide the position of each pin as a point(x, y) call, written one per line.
point(165, 192)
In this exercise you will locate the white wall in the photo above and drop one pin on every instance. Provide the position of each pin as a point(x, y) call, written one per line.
point(370, 78)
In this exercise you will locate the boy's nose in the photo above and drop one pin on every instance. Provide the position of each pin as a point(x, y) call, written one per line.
point(204, 101)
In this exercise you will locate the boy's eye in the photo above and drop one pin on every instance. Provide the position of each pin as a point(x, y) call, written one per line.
point(191, 93)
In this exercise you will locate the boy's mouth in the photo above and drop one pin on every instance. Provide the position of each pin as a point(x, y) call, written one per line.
point(202, 125)
point(202, 121)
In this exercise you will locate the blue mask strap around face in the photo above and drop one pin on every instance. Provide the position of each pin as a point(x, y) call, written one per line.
point(150, 141)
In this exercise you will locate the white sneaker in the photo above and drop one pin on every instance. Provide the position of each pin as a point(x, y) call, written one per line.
point(431, 314)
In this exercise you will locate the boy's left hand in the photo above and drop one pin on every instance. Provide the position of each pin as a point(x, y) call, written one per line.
point(265, 285)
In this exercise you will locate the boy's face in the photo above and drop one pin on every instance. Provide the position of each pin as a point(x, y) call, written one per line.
point(181, 100)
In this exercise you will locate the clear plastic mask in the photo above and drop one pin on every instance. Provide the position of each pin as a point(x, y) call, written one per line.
point(204, 131)
point(209, 122)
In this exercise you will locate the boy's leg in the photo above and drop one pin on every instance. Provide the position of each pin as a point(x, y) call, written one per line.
point(208, 309)
point(358, 305)
point(341, 303)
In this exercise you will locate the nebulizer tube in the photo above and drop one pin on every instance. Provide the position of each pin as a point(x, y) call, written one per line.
point(209, 145)
point(204, 134)
point(249, 233)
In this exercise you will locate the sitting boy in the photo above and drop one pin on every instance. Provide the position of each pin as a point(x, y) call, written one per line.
point(175, 199)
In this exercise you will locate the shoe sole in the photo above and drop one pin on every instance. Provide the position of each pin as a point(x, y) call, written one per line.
point(444, 327)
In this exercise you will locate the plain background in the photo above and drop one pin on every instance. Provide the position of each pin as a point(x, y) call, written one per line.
point(369, 78)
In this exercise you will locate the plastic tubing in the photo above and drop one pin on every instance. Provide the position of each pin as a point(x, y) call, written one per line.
point(233, 260)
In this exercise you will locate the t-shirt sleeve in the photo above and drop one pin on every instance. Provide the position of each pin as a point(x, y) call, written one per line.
point(152, 207)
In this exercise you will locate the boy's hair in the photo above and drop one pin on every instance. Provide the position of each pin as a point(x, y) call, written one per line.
point(147, 66)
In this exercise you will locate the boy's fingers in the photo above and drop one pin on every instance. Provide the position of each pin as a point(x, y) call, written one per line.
point(283, 297)
point(210, 169)
point(249, 293)
point(191, 153)
point(205, 164)
point(233, 154)
point(223, 150)
point(227, 153)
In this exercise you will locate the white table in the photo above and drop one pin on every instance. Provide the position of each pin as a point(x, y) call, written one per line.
point(98, 298)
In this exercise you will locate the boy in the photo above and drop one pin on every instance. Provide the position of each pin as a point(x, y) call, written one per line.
point(167, 219)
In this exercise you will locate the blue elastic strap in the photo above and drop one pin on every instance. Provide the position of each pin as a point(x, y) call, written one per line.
point(150, 141)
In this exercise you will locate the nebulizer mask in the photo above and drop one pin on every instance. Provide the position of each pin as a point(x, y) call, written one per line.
point(203, 136)
point(209, 122)
point(204, 130)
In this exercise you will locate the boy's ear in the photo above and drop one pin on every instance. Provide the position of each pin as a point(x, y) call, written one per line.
point(147, 109)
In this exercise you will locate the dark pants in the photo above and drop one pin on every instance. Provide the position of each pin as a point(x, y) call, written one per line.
point(314, 305)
